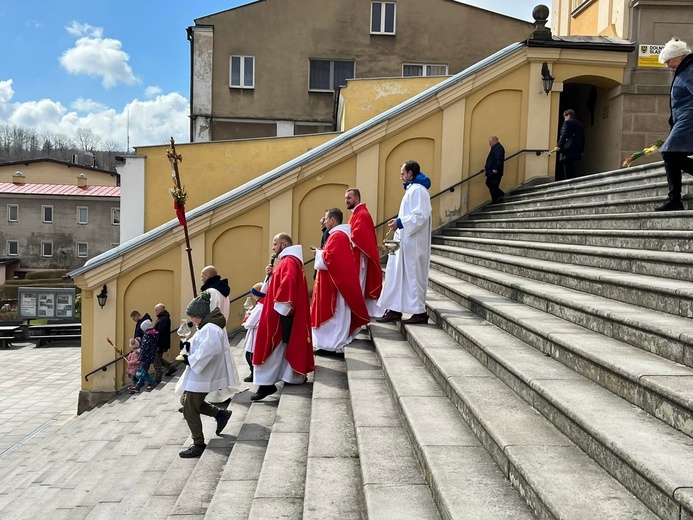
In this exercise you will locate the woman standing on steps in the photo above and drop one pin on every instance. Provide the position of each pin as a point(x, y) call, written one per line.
point(679, 145)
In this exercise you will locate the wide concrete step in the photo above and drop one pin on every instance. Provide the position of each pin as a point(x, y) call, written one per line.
point(651, 292)
point(394, 484)
point(657, 240)
point(634, 204)
point(661, 333)
point(334, 485)
point(235, 490)
point(644, 454)
point(677, 266)
point(463, 417)
point(602, 181)
point(659, 386)
point(649, 220)
point(281, 484)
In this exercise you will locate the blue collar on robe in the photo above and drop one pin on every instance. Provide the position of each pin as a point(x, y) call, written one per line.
point(419, 179)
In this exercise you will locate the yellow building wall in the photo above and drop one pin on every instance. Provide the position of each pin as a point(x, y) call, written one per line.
point(586, 21)
point(53, 173)
point(223, 166)
point(366, 98)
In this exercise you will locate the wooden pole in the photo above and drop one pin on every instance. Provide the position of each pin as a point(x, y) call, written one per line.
point(174, 159)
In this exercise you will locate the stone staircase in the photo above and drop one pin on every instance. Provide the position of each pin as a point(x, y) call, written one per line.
point(562, 340)
point(556, 382)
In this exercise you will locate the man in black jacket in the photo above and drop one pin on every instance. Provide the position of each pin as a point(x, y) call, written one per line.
point(163, 327)
point(494, 169)
point(138, 319)
point(571, 144)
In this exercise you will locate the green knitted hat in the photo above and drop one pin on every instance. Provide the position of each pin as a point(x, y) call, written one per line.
point(199, 307)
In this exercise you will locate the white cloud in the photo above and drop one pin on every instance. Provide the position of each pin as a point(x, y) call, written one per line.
point(87, 105)
point(97, 56)
point(84, 29)
point(6, 92)
point(152, 92)
point(34, 24)
point(152, 121)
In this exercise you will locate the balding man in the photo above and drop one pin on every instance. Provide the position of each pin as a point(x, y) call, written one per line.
point(494, 168)
point(218, 289)
point(163, 327)
point(283, 346)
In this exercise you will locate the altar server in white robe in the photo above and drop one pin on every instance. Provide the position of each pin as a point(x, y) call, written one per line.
point(209, 366)
point(406, 274)
point(250, 324)
point(338, 310)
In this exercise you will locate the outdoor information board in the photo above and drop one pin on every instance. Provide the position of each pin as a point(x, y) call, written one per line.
point(46, 302)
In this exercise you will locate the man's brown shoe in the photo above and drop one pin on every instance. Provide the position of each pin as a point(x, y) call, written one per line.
point(416, 319)
point(389, 317)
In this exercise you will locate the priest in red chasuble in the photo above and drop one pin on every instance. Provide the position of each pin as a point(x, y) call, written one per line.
point(366, 251)
point(283, 348)
point(338, 310)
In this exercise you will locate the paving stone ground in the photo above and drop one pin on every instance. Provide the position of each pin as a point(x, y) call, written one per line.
point(37, 386)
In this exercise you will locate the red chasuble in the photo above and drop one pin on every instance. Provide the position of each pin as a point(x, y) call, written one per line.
point(363, 236)
point(341, 276)
point(286, 285)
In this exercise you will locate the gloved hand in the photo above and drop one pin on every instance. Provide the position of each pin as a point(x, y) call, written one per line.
point(287, 325)
point(184, 344)
point(185, 359)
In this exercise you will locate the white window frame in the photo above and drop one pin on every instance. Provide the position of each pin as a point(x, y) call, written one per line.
point(43, 214)
point(9, 213)
point(311, 60)
point(8, 249)
point(86, 249)
point(383, 9)
point(113, 218)
point(241, 75)
point(425, 73)
point(43, 249)
point(86, 221)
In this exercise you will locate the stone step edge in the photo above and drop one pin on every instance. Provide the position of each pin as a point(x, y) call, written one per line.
point(631, 474)
point(656, 324)
point(441, 494)
point(477, 217)
point(630, 282)
point(646, 190)
point(642, 255)
point(587, 232)
point(595, 306)
point(537, 498)
point(681, 416)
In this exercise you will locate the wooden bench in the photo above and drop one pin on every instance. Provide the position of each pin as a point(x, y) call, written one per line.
point(50, 332)
point(7, 335)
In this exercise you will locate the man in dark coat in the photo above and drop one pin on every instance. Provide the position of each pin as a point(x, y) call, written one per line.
point(679, 145)
point(163, 327)
point(494, 168)
point(571, 144)
point(138, 319)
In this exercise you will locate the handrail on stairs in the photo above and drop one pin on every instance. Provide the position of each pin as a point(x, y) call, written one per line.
point(451, 189)
point(104, 367)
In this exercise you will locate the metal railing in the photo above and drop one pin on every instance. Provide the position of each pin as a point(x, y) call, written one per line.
point(104, 367)
point(450, 189)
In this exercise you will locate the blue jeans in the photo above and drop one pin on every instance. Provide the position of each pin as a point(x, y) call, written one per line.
point(143, 376)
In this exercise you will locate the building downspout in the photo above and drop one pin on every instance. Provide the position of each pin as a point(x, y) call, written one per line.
point(191, 39)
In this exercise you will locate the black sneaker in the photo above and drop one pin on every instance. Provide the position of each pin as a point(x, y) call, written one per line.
point(222, 419)
point(248, 379)
point(193, 451)
point(263, 392)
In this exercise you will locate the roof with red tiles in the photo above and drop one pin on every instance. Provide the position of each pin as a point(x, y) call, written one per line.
point(59, 189)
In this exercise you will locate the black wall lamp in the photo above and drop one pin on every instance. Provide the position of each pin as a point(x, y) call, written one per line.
point(546, 78)
point(102, 296)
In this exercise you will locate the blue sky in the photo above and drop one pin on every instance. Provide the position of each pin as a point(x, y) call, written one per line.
point(78, 63)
